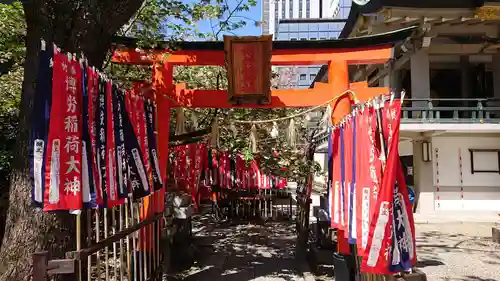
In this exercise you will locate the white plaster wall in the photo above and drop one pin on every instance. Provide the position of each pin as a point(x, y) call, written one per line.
point(405, 148)
point(314, 12)
point(452, 191)
point(422, 177)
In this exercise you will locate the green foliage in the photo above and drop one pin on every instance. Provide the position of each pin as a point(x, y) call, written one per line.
point(174, 20)
point(12, 32)
point(12, 51)
point(163, 20)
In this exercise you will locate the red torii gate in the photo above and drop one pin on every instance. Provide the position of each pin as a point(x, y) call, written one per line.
point(337, 54)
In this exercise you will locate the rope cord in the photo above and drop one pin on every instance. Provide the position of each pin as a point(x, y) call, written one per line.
point(352, 93)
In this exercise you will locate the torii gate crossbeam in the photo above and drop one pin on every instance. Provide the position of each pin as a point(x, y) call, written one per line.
point(337, 54)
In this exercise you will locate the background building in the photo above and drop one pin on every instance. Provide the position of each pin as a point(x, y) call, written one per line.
point(273, 11)
point(303, 20)
point(306, 29)
point(450, 126)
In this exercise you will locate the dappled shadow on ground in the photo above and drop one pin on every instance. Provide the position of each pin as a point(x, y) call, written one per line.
point(243, 251)
point(433, 243)
point(323, 270)
point(455, 253)
point(475, 278)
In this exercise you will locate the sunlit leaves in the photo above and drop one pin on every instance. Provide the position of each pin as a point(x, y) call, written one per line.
point(12, 52)
point(12, 31)
point(173, 20)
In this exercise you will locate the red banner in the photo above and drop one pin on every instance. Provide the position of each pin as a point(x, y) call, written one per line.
point(111, 175)
point(181, 167)
point(63, 168)
point(142, 134)
point(93, 88)
point(197, 158)
point(348, 138)
point(363, 181)
point(404, 227)
point(375, 161)
point(282, 183)
point(215, 164)
point(376, 259)
point(391, 244)
point(223, 170)
point(255, 175)
point(240, 169)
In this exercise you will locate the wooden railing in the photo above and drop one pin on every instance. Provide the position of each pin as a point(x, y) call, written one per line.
point(451, 110)
point(437, 111)
point(118, 245)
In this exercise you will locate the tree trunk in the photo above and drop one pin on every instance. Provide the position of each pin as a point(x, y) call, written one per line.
point(77, 26)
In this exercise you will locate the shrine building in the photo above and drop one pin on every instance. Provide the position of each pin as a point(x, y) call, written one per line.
point(450, 71)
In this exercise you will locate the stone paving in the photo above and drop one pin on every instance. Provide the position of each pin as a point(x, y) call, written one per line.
point(244, 251)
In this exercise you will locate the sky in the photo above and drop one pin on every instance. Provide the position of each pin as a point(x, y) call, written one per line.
point(249, 29)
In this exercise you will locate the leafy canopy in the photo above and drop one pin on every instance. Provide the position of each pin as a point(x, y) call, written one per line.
point(166, 20)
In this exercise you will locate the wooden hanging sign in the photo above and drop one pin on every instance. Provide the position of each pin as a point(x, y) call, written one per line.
point(248, 65)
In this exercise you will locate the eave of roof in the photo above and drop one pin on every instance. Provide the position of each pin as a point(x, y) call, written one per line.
point(390, 38)
point(322, 73)
point(376, 5)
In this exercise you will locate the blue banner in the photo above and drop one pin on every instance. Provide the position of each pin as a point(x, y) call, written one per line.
point(119, 113)
point(40, 130)
point(101, 117)
point(401, 243)
point(150, 110)
point(411, 195)
point(137, 173)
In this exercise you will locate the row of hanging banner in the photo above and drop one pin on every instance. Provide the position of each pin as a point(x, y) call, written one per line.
point(196, 168)
point(195, 163)
point(92, 145)
point(368, 195)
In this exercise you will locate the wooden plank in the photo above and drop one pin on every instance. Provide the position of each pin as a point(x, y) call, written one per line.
point(82, 254)
point(495, 234)
point(64, 266)
point(40, 260)
point(248, 65)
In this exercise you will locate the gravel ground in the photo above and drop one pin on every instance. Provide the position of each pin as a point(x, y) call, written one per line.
point(458, 252)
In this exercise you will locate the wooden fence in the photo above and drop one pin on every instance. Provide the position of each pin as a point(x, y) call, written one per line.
point(120, 243)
